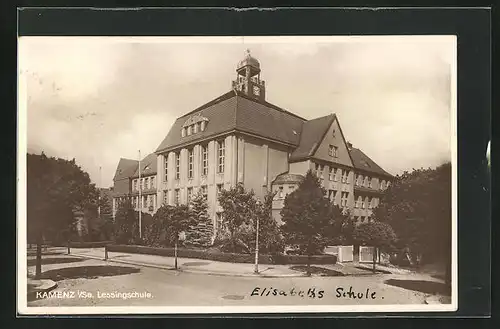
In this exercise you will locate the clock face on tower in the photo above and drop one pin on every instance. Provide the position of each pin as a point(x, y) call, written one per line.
point(256, 90)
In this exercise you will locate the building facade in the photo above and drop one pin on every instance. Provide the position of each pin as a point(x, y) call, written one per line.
point(239, 137)
point(127, 184)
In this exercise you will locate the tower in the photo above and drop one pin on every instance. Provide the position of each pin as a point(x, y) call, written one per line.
point(248, 78)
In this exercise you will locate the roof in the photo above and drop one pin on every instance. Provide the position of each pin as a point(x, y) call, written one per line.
point(148, 166)
point(362, 162)
point(288, 178)
point(236, 111)
point(125, 169)
point(313, 132)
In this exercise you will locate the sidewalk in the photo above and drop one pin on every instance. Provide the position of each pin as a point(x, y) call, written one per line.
point(189, 265)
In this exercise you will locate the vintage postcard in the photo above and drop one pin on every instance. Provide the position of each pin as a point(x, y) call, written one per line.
point(237, 174)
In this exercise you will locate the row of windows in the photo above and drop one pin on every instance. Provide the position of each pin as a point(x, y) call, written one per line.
point(366, 202)
point(221, 154)
point(362, 219)
point(334, 174)
point(146, 201)
point(190, 194)
point(145, 183)
point(193, 128)
point(366, 181)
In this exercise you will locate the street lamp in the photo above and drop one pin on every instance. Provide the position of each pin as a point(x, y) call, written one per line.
point(256, 271)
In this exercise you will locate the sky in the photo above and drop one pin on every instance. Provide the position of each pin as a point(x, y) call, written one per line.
point(100, 99)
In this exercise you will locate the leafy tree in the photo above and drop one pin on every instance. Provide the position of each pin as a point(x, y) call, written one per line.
point(342, 226)
point(271, 239)
point(306, 216)
point(181, 220)
point(55, 189)
point(104, 227)
point(378, 235)
point(418, 207)
point(200, 234)
point(239, 208)
point(126, 223)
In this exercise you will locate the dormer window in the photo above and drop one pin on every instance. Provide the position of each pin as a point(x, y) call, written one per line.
point(194, 124)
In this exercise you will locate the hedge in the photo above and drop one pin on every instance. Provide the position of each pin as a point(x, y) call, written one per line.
point(94, 244)
point(223, 256)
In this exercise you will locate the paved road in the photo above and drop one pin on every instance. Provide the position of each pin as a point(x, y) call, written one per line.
point(98, 280)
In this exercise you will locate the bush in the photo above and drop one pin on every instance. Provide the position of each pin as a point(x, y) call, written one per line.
point(216, 255)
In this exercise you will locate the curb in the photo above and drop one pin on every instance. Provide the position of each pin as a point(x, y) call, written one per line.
point(215, 273)
point(46, 286)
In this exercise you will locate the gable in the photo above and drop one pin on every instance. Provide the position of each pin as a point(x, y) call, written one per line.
point(310, 137)
point(335, 138)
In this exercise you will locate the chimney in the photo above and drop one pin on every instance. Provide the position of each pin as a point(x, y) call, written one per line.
point(349, 145)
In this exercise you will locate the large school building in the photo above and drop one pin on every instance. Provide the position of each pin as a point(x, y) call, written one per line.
point(239, 137)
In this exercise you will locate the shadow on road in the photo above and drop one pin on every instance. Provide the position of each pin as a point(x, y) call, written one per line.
point(60, 260)
point(44, 253)
point(321, 271)
point(87, 272)
point(428, 287)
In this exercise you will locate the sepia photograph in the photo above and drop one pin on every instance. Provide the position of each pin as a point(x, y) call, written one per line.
point(271, 174)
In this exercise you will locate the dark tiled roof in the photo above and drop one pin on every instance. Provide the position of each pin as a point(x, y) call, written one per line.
point(148, 166)
point(288, 178)
point(312, 134)
point(235, 111)
point(362, 162)
point(125, 169)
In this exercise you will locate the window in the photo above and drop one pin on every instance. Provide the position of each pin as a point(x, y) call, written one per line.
point(219, 189)
point(370, 183)
point(345, 176)
point(387, 185)
point(177, 196)
point(204, 191)
point(183, 132)
point(331, 195)
point(280, 193)
point(189, 194)
point(153, 182)
point(147, 183)
point(189, 130)
point(370, 203)
point(221, 156)
point(195, 128)
point(177, 165)
point(154, 201)
point(166, 168)
point(382, 185)
point(143, 183)
point(333, 151)
point(357, 203)
point(359, 180)
point(143, 201)
point(204, 160)
point(363, 203)
point(190, 163)
point(165, 197)
point(203, 124)
point(365, 183)
point(331, 174)
point(343, 200)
